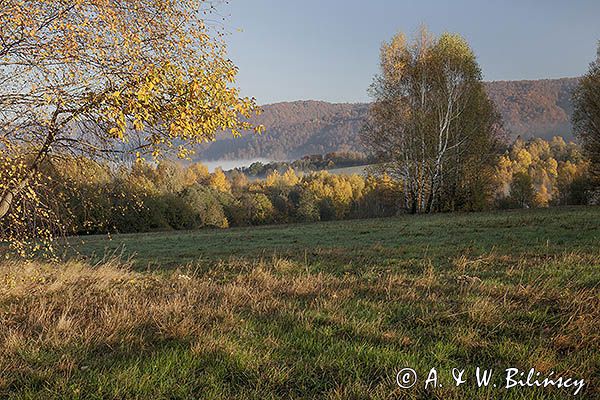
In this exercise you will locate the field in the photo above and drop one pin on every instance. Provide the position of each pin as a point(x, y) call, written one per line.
point(359, 170)
point(327, 310)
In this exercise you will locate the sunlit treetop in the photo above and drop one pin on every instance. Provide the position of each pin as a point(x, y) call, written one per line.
point(108, 69)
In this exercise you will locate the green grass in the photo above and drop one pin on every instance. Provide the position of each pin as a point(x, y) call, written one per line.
point(377, 243)
point(329, 310)
point(358, 170)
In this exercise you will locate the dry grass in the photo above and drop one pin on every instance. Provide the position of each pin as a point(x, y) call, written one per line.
point(111, 306)
point(265, 317)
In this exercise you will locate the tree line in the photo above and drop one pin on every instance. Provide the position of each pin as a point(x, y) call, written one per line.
point(96, 198)
point(313, 162)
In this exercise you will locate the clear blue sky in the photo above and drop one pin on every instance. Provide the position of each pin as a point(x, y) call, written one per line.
point(328, 50)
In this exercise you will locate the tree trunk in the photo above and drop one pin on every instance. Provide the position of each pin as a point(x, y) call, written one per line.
point(5, 203)
point(8, 197)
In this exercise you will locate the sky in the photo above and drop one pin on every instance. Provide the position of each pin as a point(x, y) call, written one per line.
point(328, 50)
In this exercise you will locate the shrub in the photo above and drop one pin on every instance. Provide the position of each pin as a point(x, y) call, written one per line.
point(205, 207)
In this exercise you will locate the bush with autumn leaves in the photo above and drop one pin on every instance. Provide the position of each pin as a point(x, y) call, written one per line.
point(542, 173)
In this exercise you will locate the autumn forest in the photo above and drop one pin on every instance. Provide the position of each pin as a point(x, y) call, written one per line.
point(379, 249)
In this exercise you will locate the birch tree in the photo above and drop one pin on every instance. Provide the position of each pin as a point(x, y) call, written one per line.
point(431, 120)
point(104, 77)
point(586, 116)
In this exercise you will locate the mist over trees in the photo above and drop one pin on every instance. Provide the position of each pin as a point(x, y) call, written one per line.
point(431, 126)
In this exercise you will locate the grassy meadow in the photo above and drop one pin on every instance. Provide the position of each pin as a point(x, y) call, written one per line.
point(330, 310)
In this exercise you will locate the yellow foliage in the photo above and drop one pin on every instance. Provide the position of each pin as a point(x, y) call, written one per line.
point(25, 236)
point(538, 160)
point(542, 197)
point(272, 178)
point(290, 178)
point(197, 172)
point(504, 172)
point(219, 181)
point(522, 160)
point(146, 76)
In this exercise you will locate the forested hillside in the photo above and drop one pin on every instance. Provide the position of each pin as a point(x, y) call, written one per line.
point(293, 130)
point(539, 108)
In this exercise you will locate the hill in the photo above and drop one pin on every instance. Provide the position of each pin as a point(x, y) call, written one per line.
point(540, 108)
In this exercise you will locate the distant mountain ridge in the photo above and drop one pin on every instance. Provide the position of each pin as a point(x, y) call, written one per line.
point(538, 108)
